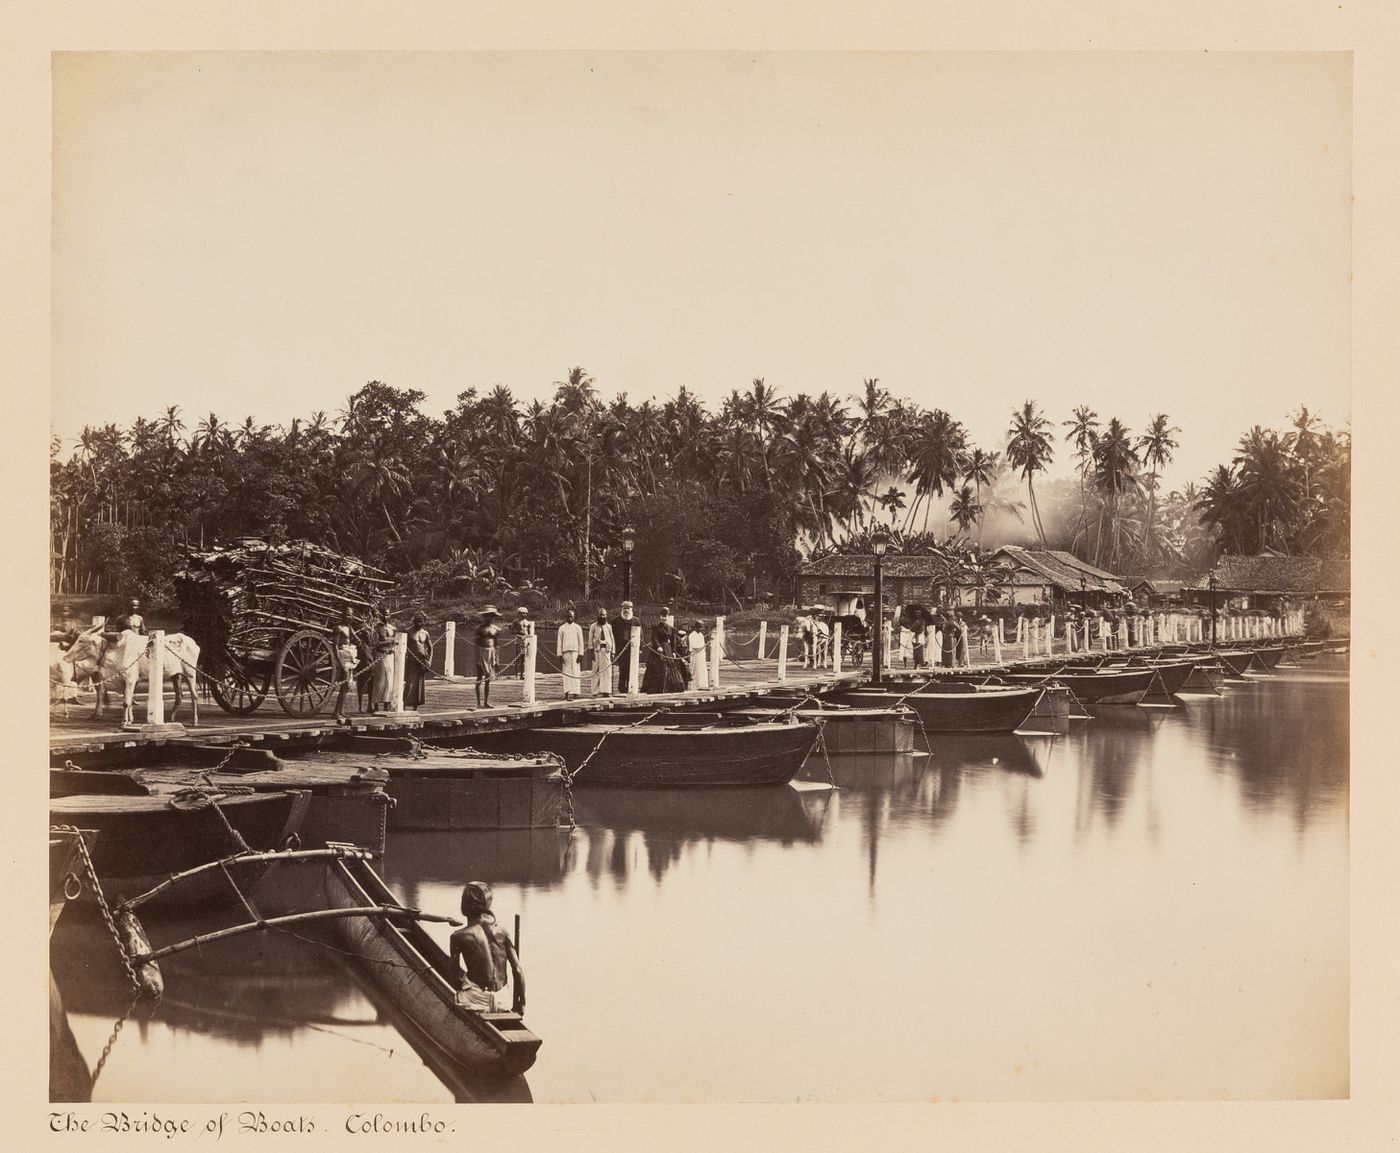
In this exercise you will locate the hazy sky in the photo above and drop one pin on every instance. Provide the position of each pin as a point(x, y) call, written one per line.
point(261, 234)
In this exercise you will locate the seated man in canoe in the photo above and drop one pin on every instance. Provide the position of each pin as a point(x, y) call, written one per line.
point(485, 953)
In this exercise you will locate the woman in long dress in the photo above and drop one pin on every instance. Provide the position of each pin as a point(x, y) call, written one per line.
point(664, 672)
point(568, 647)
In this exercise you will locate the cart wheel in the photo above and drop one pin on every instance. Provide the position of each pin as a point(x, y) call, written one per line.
point(305, 673)
point(238, 689)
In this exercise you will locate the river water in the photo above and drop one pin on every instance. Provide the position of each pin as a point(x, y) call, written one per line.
point(1151, 905)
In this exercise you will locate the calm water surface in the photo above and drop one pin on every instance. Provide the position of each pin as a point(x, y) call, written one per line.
point(1152, 905)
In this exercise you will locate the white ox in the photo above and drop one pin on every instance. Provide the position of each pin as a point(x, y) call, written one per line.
point(128, 661)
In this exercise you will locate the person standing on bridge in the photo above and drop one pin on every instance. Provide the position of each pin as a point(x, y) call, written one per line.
point(622, 646)
point(420, 663)
point(602, 645)
point(486, 633)
point(568, 647)
point(347, 656)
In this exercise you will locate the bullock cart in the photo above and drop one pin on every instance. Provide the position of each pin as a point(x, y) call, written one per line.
point(264, 614)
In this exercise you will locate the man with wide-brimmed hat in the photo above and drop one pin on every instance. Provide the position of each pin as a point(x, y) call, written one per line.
point(486, 633)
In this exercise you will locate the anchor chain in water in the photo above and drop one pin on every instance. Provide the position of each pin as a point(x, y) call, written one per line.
point(570, 777)
point(112, 1038)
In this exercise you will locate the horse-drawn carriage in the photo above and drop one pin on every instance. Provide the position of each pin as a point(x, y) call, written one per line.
point(264, 614)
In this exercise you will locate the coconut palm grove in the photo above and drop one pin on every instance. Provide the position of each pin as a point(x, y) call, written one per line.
point(496, 496)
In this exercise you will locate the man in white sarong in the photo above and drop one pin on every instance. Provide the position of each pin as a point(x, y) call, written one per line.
point(602, 645)
point(568, 647)
point(699, 666)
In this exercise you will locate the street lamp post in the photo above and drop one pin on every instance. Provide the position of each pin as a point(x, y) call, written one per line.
point(1212, 610)
point(879, 541)
point(629, 542)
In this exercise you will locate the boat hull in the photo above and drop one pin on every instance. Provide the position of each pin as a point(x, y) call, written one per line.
point(141, 840)
point(684, 756)
point(1093, 688)
point(412, 972)
point(1236, 663)
point(971, 710)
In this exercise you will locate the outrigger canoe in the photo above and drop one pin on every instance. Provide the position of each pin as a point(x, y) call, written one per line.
point(398, 956)
point(728, 750)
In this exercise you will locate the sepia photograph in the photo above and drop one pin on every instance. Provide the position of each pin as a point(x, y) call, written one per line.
point(700, 577)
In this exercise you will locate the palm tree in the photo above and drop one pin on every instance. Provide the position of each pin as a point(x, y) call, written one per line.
point(1221, 507)
point(892, 501)
point(1029, 449)
point(1115, 472)
point(1083, 432)
point(981, 468)
point(965, 509)
point(1270, 484)
point(935, 457)
point(1155, 448)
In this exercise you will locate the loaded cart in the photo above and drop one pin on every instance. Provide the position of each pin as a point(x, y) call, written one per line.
point(263, 615)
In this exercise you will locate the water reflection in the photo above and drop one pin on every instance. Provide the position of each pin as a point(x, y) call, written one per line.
point(266, 994)
point(1151, 904)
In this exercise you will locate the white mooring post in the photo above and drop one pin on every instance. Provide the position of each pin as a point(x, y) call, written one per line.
point(400, 659)
point(782, 653)
point(1050, 637)
point(1087, 645)
point(996, 641)
point(155, 685)
point(1023, 634)
point(836, 649)
point(716, 645)
point(634, 661)
point(762, 639)
point(1035, 637)
point(1123, 633)
point(527, 689)
point(449, 651)
point(887, 628)
point(1001, 629)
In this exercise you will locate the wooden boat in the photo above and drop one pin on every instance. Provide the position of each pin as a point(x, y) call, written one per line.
point(67, 874)
point(957, 708)
point(847, 729)
point(142, 839)
point(1097, 687)
point(396, 955)
point(1268, 656)
point(347, 803)
point(727, 750)
point(1235, 661)
point(1173, 673)
point(452, 788)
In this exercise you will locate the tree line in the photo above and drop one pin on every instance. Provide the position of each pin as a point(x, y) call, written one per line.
point(500, 495)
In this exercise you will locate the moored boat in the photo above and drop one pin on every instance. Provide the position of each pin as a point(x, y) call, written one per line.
point(396, 955)
point(847, 729)
point(1235, 661)
point(727, 750)
point(1125, 686)
point(957, 708)
point(347, 803)
point(1268, 656)
point(441, 788)
point(142, 839)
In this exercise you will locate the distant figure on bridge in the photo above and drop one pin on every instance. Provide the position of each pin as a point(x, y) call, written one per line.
point(486, 633)
point(484, 953)
point(568, 647)
point(695, 645)
point(114, 626)
point(381, 691)
point(602, 645)
point(520, 628)
point(664, 672)
point(419, 665)
point(622, 646)
point(347, 656)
